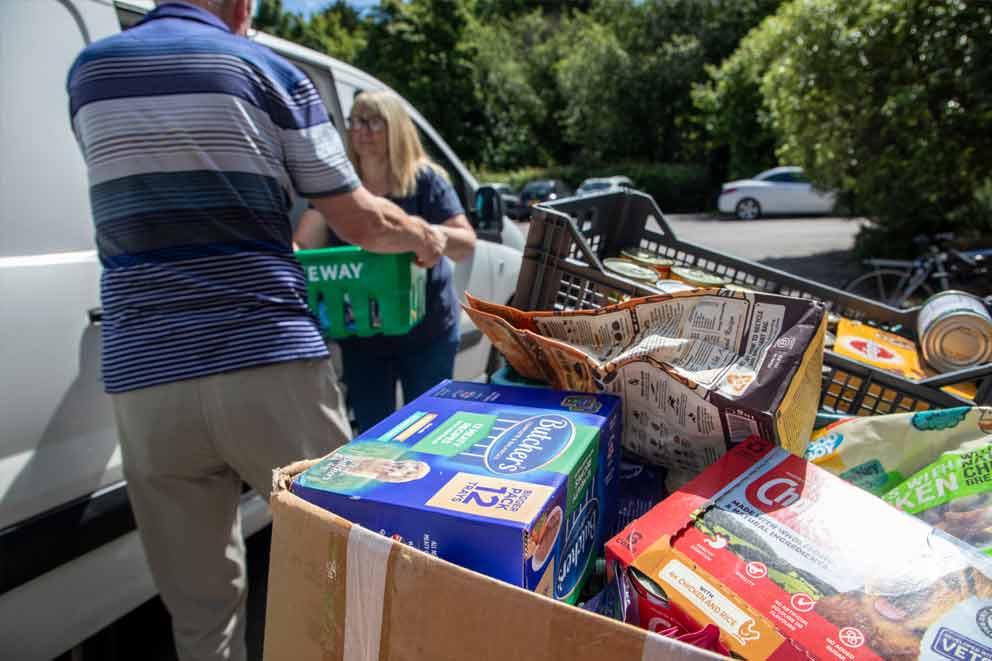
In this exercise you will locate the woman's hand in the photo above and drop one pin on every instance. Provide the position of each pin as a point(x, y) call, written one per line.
point(435, 243)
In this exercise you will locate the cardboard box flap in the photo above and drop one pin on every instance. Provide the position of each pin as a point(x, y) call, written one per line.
point(338, 591)
point(282, 478)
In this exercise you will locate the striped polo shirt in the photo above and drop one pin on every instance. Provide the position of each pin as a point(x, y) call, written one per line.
point(194, 139)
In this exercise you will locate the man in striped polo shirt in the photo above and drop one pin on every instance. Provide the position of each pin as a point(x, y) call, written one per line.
point(194, 138)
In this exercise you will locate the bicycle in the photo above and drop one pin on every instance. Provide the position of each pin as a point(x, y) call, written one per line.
point(907, 283)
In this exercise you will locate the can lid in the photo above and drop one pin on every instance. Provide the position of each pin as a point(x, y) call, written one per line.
point(697, 276)
point(630, 270)
point(961, 340)
point(642, 256)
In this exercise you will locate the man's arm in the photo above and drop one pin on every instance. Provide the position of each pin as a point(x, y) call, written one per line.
point(378, 225)
point(311, 232)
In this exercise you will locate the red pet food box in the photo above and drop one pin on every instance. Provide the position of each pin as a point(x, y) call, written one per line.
point(791, 562)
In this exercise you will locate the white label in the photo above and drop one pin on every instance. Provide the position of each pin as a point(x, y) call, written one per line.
point(942, 305)
point(701, 334)
point(740, 428)
point(666, 422)
point(345, 271)
point(800, 522)
point(605, 335)
point(766, 325)
point(704, 596)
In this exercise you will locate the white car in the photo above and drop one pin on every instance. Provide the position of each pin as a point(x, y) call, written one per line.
point(71, 562)
point(781, 190)
point(604, 185)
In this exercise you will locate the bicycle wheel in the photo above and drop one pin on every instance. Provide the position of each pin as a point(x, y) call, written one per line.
point(888, 286)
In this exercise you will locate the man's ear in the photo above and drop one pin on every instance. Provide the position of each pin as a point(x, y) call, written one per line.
point(241, 16)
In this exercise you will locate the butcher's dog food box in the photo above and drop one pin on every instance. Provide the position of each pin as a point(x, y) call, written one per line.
point(515, 483)
point(791, 562)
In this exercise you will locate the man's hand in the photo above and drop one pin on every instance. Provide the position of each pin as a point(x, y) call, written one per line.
point(434, 244)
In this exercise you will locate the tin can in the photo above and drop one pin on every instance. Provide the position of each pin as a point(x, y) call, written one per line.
point(697, 278)
point(654, 610)
point(630, 270)
point(662, 265)
point(672, 286)
point(955, 331)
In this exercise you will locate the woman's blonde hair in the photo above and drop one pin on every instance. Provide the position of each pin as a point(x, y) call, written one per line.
point(406, 154)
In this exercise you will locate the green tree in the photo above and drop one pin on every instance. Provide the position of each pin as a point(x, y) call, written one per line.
point(731, 110)
point(892, 100)
point(421, 49)
point(511, 107)
point(336, 30)
point(641, 60)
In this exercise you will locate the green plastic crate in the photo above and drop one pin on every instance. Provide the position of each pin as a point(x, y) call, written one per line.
point(354, 293)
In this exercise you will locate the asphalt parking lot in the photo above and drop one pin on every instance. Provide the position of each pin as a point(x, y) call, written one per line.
point(815, 247)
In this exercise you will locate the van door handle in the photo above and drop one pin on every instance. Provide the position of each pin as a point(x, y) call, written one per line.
point(95, 315)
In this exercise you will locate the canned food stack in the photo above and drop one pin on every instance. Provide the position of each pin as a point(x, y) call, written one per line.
point(664, 274)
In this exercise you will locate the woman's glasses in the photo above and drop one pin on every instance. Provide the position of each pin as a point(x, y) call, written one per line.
point(373, 124)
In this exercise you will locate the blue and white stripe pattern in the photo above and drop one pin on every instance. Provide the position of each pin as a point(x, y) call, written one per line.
point(194, 139)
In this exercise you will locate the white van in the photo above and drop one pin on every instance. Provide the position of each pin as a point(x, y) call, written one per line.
point(70, 560)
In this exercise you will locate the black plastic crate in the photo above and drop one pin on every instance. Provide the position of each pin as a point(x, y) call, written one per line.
point(562, 270)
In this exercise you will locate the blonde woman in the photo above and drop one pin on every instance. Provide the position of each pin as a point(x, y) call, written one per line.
point(384, 146)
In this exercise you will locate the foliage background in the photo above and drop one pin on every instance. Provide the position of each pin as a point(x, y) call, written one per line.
point(888, 101)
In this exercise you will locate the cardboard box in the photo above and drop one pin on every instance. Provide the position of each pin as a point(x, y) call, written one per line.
point(516, 484)
point(338, 592)
point(791, 562)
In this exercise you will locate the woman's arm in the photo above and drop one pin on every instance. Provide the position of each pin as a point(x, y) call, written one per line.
point(461, 237)
point(374, 223)
point(312, 231)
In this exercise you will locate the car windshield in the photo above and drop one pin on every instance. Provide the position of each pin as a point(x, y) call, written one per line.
point(786, 177)
point(541, 188)
point(596, 185)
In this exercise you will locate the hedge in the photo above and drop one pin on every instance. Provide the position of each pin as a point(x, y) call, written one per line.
point(675, 187)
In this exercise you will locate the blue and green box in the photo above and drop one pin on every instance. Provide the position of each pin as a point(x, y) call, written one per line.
point(515, 483)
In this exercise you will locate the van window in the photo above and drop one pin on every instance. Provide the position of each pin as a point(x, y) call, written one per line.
point(321, 79)
point(44, 186)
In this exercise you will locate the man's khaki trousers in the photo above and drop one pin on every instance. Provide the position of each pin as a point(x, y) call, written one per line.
point(187, 446)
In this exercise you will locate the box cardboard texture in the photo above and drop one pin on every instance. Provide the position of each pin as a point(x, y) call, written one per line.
point(338, 592)
point(791, 562)
point(518, 485)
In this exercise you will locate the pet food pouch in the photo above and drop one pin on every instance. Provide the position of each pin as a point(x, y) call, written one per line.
point(878, 453)
point(698, 371)
point(953, 494)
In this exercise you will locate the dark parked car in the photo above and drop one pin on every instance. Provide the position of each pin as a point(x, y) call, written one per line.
point(543, 190)
point(604, 185)
point(511, 201)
